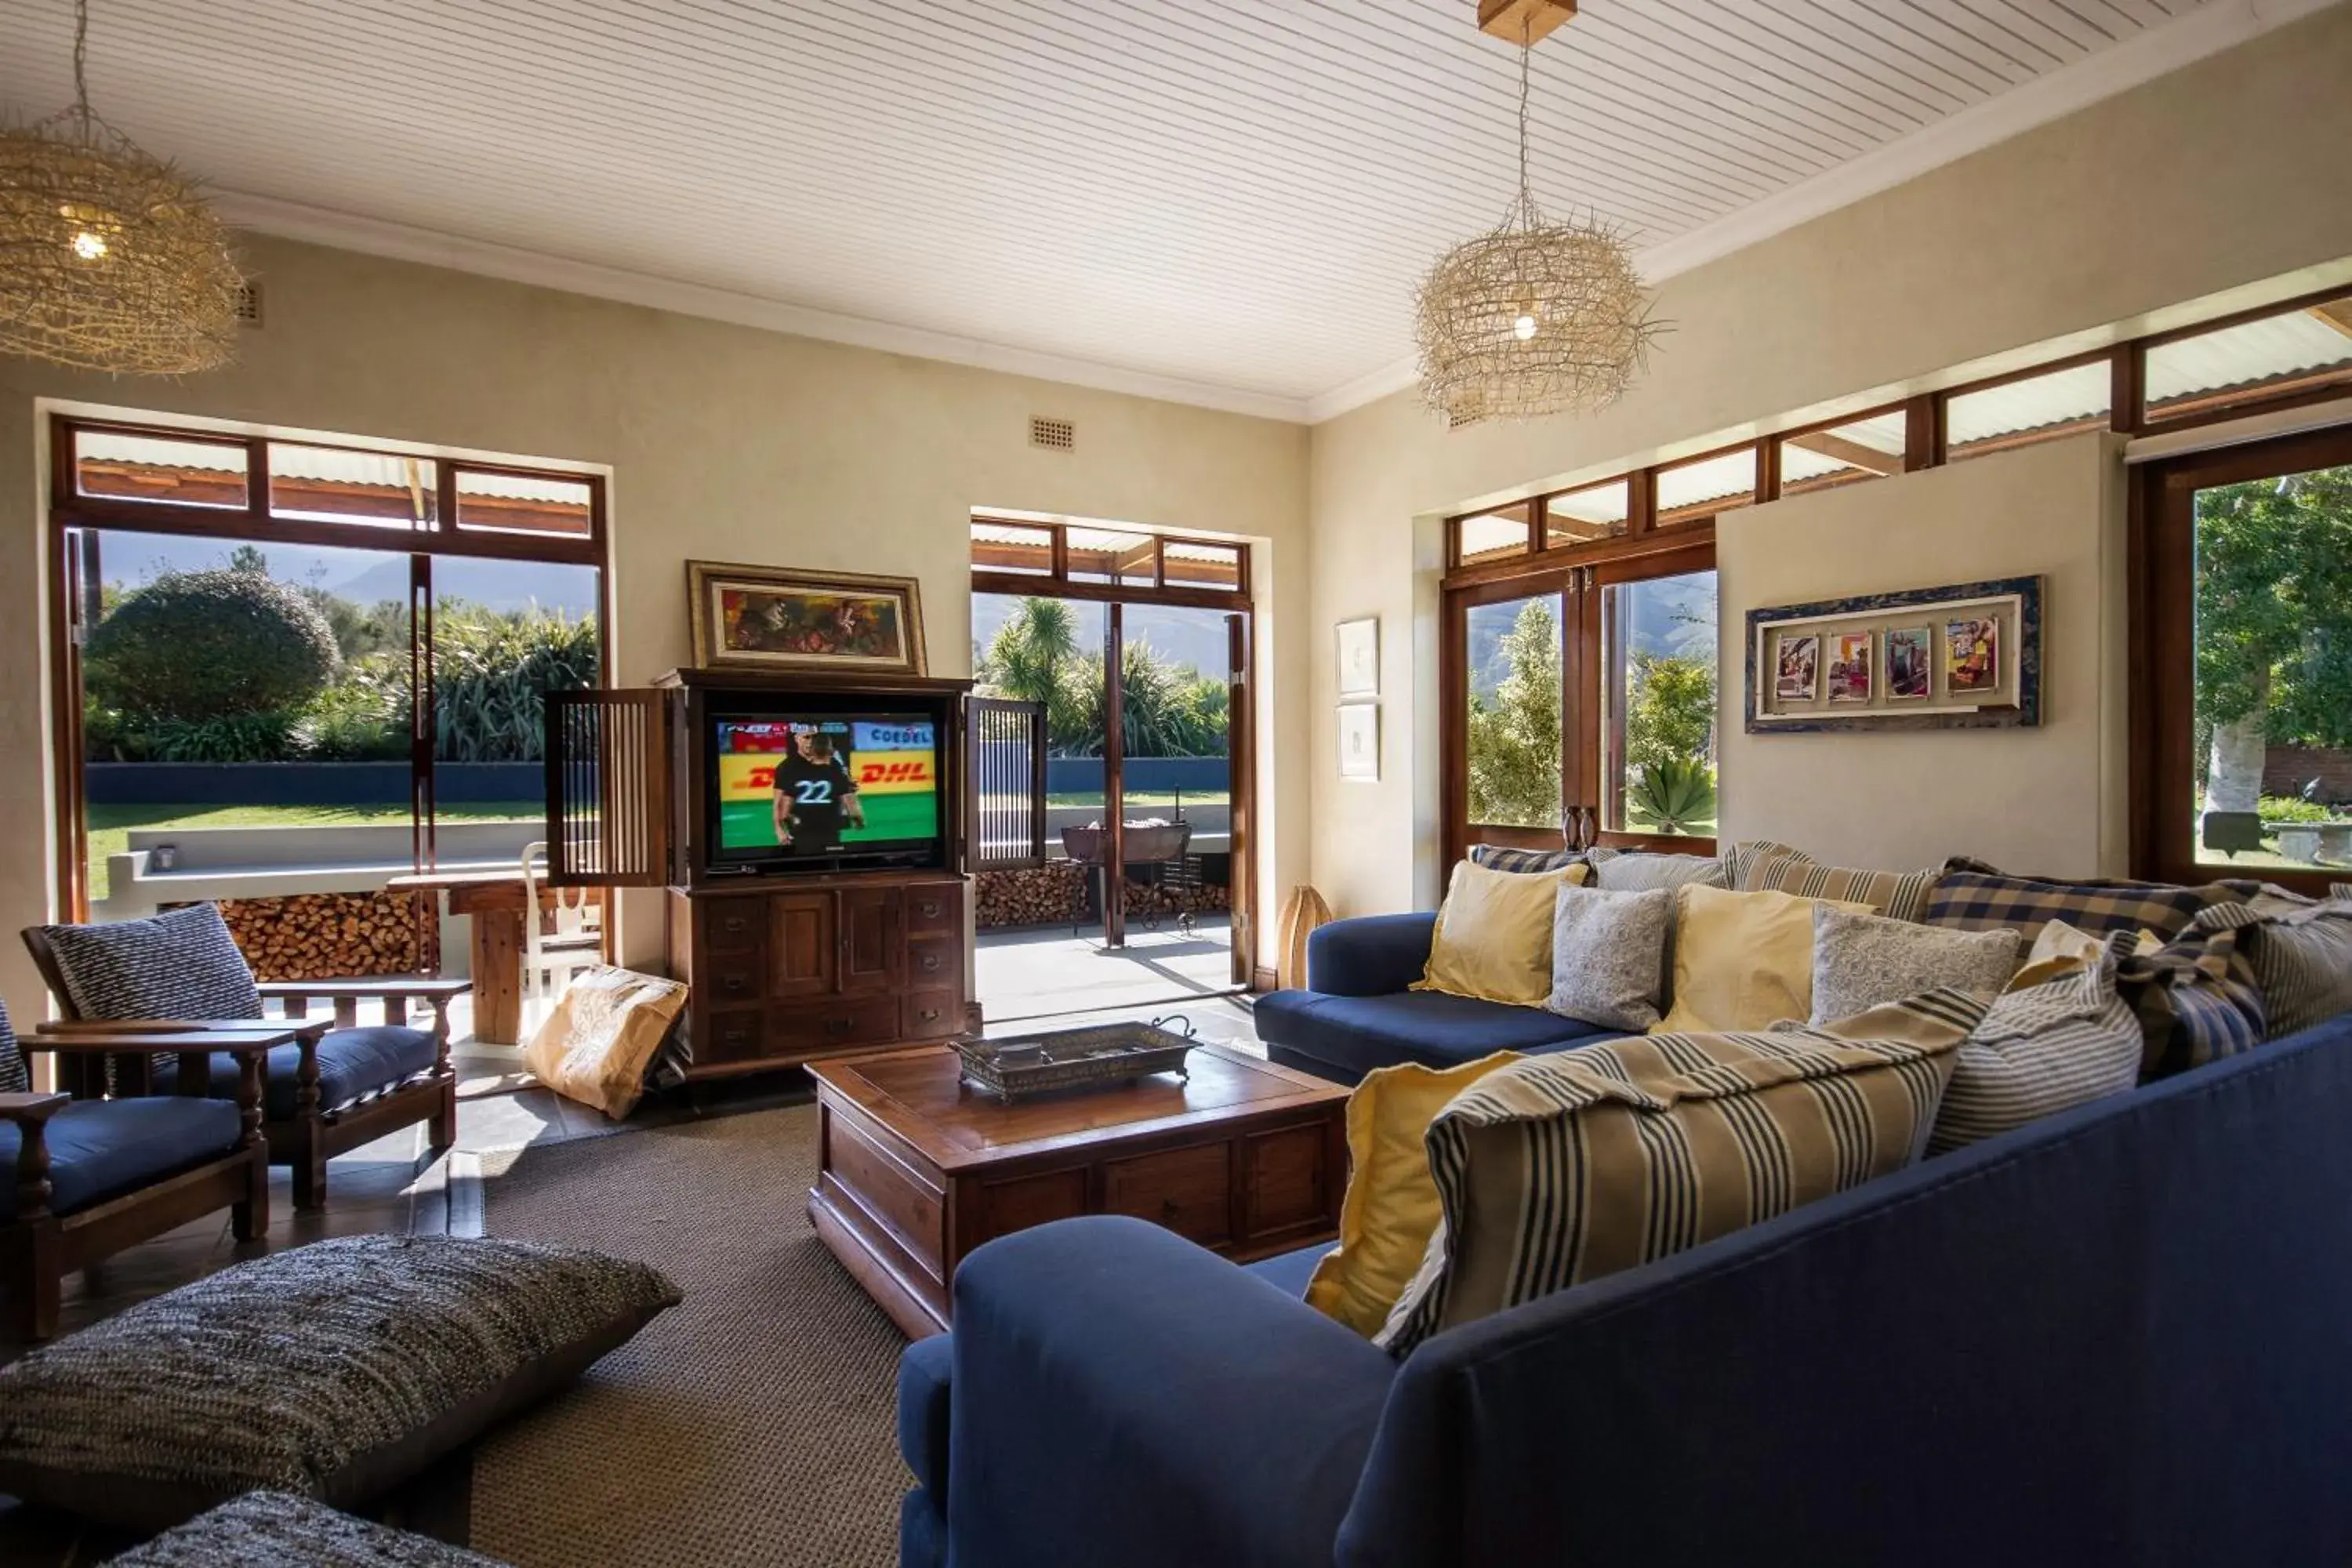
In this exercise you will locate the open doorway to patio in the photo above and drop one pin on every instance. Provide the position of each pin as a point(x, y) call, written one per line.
point(1111, 772)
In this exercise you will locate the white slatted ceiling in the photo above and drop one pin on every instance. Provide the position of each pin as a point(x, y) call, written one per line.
point(1242, 193)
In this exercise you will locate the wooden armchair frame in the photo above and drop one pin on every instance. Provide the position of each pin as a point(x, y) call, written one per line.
point(39, 1248)
point(314, 1134)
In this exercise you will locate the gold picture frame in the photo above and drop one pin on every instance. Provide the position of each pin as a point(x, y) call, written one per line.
point(782, 618)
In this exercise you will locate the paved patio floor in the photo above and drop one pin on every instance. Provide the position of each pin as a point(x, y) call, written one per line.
point(1047, 971)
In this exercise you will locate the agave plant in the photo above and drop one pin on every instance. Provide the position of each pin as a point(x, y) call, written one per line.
point(1677, 796)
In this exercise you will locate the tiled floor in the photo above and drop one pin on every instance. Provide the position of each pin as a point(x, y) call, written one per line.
point(1050, 969)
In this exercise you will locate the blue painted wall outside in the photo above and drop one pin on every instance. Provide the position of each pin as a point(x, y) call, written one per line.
point(306, 783)
point(1083, 775)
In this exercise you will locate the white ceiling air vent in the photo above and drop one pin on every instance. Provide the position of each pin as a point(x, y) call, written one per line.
point(1053, 435)
point(248, 303)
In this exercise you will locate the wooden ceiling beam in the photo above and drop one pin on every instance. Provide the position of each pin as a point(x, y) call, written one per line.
point(1523, 21)
point(2336, 313)
point(1853, 454)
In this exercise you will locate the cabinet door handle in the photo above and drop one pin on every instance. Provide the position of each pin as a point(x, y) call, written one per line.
point(836, 1026)
point(930, 962)
point(928, 908)
point(928, 1015)
point(734, 983)
point(733, 925)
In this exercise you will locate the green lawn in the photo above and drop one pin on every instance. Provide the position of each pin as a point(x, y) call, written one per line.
point(110, 826)
point(1143, 797)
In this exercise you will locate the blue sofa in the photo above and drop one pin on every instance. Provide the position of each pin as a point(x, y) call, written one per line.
point(1356, 1015)
point(2114, 1337)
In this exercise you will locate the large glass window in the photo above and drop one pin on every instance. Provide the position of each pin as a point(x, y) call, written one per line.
point(1513, 664)
point(1658, 706)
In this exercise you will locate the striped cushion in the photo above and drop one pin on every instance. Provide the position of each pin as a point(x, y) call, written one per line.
point(2300, 953)
point(2044, 1049)
point(1972, 895)
point(182, 964)
point(2197, 998)
point(1559, 1169)
point(1499, 857)
point(1641, 871)
point(1762, 866)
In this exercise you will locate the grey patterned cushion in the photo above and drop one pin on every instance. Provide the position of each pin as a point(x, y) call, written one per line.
point(278, 1529)
point(1607, 950)
point(2042, 1050)
point(182, 964)
point(14, 1078)
point(1761, 864)
point(2301, 952)
point(332, 1370)
point(1640, 871)
point(1860, 961)
point(1533, 862)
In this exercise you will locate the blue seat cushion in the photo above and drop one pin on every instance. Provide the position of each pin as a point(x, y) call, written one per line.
point(1353, 1035)
point(101, 1149)
point(351, 1063)
point(1289, 1271)
point(925, 1369)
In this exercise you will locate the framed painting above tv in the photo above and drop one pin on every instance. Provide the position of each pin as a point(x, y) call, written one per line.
point(781, 619)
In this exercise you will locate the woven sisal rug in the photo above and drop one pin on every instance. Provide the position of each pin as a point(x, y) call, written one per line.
point(752, 1424)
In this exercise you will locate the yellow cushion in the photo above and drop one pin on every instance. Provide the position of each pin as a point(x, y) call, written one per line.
point(2058, 951)
point(1390, 1206)
point(1743, 961)
point(1494, 935)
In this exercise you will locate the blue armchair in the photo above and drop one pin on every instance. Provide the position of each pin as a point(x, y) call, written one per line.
point(324, 1094)
point(95, 1176)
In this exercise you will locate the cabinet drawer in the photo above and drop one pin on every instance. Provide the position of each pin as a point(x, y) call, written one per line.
point(931, 1014)
point(933, 962)
point(935, 907)
point(1190, 1191)
point(731, 1037)
point(833, 1021)
point(733, 925)
point(732, 980)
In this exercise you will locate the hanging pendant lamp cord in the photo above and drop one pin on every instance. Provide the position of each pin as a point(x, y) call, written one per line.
point(1526, 63)
point(81, 58)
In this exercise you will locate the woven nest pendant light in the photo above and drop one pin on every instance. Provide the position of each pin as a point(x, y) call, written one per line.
point(109, 260)
point(1538, 316)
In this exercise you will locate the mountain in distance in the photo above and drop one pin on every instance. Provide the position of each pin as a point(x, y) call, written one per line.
point(1670, 615)
point(362, 576)
point(1180, 636)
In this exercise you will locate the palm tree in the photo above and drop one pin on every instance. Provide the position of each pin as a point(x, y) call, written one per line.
point(1033, 657)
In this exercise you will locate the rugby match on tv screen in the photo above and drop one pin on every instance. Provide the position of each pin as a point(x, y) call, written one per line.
point(818, 786)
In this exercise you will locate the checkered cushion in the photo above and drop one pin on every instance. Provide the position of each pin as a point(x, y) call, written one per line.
point(1499, 857)
point(1972, 895)
point(182, 964)
point(2196, 995)
point(1762, 866)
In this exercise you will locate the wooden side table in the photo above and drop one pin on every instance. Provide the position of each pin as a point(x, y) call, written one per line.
point(915, 1169)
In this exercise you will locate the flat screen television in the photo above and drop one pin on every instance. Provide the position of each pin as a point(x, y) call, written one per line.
point(811, 785)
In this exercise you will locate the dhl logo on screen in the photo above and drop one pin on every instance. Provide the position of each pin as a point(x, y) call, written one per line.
point(752, 777)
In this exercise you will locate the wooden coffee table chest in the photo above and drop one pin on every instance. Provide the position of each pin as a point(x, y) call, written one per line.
point(914, 1170)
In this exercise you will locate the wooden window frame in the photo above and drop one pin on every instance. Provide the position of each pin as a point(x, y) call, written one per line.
point(71, 513)
point(1908, 407)
point(2118, 416)
point(2163, 595)
point(1057, 583)
point(2225, 407)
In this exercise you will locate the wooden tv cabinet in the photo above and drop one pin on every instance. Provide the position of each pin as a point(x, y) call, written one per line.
point(789, 970)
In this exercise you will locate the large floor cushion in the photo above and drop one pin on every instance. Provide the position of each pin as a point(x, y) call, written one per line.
point(102, 1148)
point(332, 1370)
point(351, 1063)
point(278, 1529)
point(1353, 1035)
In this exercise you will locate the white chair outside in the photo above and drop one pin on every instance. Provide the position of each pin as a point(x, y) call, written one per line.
point(563, 934)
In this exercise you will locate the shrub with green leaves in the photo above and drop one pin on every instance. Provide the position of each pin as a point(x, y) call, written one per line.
point(193, 645)
point(491, 675)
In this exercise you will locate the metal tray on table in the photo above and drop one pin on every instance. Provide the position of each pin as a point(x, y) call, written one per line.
point(1095, 1058)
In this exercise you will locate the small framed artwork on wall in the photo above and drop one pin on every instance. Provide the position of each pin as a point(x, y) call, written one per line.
point(1360, 743)
point(1965, 656)
point(1360, 657)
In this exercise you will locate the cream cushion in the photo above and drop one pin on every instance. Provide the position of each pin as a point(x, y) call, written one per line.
point(1493, 939)
point(1743, 961)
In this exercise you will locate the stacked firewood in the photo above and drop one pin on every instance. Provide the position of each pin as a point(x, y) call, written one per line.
point(1031, 896)
point(330, 936)
point(1146, 898)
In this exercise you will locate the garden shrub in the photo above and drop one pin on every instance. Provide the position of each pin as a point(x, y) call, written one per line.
point(195, 645)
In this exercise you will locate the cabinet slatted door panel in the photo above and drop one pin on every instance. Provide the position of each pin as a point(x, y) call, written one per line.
point(608, 789)
point(872, 952)
point(802, 945)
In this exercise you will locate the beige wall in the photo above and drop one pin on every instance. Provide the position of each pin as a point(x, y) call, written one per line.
point(724, 443)
point(2047, 799)
point(2227, 173)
